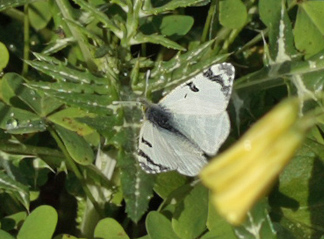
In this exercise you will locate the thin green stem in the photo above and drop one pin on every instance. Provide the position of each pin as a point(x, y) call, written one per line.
point(229, 39)
point(208, 24)
point(252, 42)
point(26, 40)
point(29, 150)
point(14, 14)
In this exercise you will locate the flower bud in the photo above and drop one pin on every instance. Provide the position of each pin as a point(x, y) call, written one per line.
point(245, 172)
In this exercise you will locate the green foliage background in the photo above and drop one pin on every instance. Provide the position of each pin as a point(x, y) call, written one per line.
point(67, 164)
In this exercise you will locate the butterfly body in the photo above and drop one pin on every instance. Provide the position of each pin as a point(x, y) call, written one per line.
point(187, 124)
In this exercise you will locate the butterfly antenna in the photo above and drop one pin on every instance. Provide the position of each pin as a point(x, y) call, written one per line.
point(147, 76)
point(130, 103)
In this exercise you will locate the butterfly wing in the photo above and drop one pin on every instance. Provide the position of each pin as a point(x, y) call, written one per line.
point(208, 132)
point(161, 150)
point(199, 105)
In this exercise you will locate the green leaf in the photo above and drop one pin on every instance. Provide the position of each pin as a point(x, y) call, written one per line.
point(232, 13)
point(4, 56)
point(13, 221)
point(168, 182)
point(156, 39)
point(217, 225)
point(269, 77)
point(109, 228)
point(281, 42)
point(189, 220)
point(103, 124)
point(309, 27)
point(93, 98)
point(5, 235)
point(16, 189)
point(298, 202)
point(5, 4)
point(101, 17)
point(173, 26)
point(315, 11)
point(67, 118)
point(176, 25)
point(98, 104)
point(158, 227)
point(148, 237)
point(136, 185)
point(67, 236)
point(182, 67)
point(269, 11)
point(172, 5)
point(258, 223)
point(15, 91)
point(39, 14)
point(76, 145)
point(17, 121)
point(174, 201)
point(40, 224)
point(61, 72)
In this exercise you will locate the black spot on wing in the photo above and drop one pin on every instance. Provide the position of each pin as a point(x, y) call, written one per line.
point(192, 87)
point(218, 79)
point(144, 141)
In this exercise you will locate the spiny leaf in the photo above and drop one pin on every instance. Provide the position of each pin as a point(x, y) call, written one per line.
point(100, 104)
point(18, 121)
point(101, 17)
point(274, 14)
point(172, 5)
point(59, 71)
point(137, 185)
point(181, 67)
point(15, 188)
point(156, 39)
point(5, 4)
point(14, 87)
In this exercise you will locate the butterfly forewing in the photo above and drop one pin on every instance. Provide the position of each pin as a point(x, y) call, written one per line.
point(199, 107)
point(207, 93)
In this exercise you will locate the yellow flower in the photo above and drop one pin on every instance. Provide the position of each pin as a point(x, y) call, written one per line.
point(244, 173)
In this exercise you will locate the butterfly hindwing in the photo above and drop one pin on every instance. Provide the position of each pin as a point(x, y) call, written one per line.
point(207, 131)
point(161, 151)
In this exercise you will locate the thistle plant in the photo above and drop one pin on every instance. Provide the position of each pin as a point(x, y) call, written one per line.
point(72, 74)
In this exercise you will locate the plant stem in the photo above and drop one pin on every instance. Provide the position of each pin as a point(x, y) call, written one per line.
point(26, 40)
point(209, 21)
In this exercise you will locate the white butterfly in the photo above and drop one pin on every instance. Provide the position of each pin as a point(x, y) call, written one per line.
point(187, 124)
